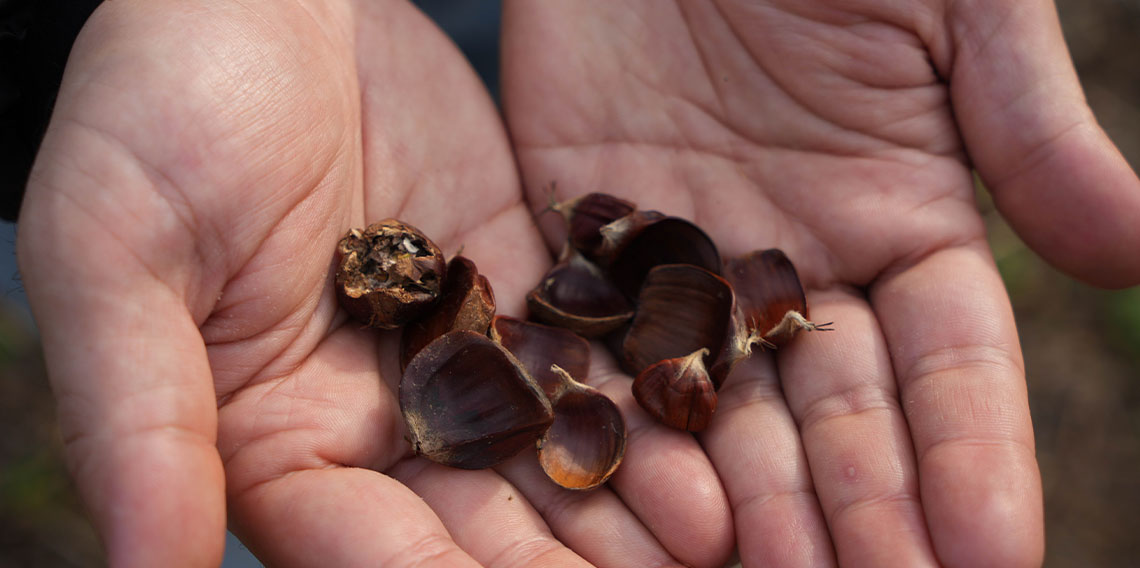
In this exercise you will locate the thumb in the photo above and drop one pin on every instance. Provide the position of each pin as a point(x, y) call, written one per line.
point(1054, 174)
point(132, 380)
point(105, 268)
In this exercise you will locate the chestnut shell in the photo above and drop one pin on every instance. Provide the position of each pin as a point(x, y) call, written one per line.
point(587, 214)
point(586, 443)
point(681, 309)
point(467, 302)
point(770, 296)
point(671, 240)
point(576, 295)
point(539, 346)
point(468, 403)
point(678, 392)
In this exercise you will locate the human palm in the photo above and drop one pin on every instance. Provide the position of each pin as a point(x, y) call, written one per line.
point(217, 188)
point(203, 161)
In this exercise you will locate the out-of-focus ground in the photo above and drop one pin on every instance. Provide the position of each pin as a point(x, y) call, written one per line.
point(1082, 351)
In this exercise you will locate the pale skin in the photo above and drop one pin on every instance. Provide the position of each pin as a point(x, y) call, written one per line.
point(204, 159)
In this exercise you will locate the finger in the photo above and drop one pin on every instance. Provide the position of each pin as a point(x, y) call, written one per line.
point(486, 515)
point(754, 444)
point(136, 404)
point(1053, 171)
point(665, 480)
point(343, 516)
point(954, 348)
point(841, 389)
point(669, 483)
point(595, 523)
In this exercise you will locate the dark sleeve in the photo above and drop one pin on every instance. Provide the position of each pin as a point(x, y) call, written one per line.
point(35, 39)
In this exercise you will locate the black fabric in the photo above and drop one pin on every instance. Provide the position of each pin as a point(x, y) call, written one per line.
point(35, 39)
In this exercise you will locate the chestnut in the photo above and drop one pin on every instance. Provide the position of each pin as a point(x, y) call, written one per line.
point(586, 443)
point(771, 298)
point(618, 233)
point(678, 392)
point(681, 309)
point(467, 302)
point(575, 294)
point(388, 274)
point(585, 215)
point(538, 346)
point(669, 240)
point(468, 403)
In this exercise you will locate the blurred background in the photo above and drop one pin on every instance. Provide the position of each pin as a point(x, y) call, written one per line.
point(1082, 347)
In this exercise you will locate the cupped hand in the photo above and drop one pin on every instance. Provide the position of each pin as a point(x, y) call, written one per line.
point(845, 133)
point(176, 244)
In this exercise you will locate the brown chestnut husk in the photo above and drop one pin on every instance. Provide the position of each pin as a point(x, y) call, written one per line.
point(585, 215)
point(575, 294)
point(681, 309)
point(678, 392)
point(388, 274)
point(669, 240)
point(586, 443)
point(538, 347)
point(467, 302)
point(771, 299)
point(618, 233)
point(468, 403)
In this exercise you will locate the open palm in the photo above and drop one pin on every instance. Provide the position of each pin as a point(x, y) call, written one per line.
point(203, 160)
point(843, 133)
point(177, 247)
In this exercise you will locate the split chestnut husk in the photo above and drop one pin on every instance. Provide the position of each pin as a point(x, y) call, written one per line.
point(670, 240)
point(678, 392)
point(770, 296)
point(586, 443)
point(538, 347)
point(469, 403)
point(681, 309)
point(388, 274)
point(467, 302)
point(585, 216)
point(618, 233)
point(576, 295)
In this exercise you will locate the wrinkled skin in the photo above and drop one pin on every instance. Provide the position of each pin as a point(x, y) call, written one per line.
point(204, 159)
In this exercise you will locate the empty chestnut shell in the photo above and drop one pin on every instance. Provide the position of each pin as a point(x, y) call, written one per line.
point(670, 240)
point(678, 392)
point(682, 308)
point(469, 403)
point(389, 274)
point(770, 296)
point(467, 302)
point(585, 216)
point(576, 295)
point(586, 443)
point(539, 346)
point(618, 233)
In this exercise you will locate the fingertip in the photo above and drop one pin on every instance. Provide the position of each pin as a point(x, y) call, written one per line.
point(987, 520)
point(667, 479)
point(157, 500)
